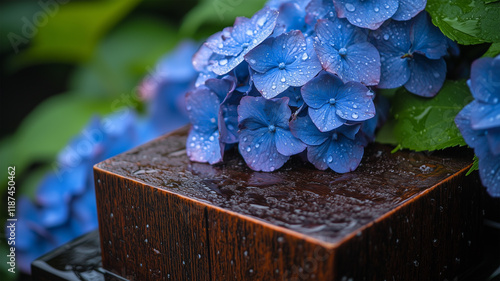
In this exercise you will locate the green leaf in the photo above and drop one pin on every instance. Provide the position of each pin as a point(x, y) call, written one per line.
point(47, 130)
point(493, 51)
point(220, 13)
point(467, 22)
point(115, 70)
point(428, 124)
point(475, 166)
point(386, 134)
point(70, 31)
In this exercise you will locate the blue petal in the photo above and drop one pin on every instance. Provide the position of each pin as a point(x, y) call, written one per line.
point(84, 209)
point(203, 109)
point(321, 89)
point(304, 129)
point(271, 83)
point(326, 118)
point(293, 93)
point(287, 144)
point(408, 9)
point(203, 77)
point(349, 131)
point(427, 76)
point(354, 102)
point(493, 136)
point(361, 64)
point(338, 33)
point(228, 118)
point(257, 112)
point(316, 154)
point(392, 38)
point(390, 64)
point(485, 116)
point(291, 17)
point(201, 59)
point(203, 147)
point(54, 215)
point(262, 58)
point(258, 148)
point(320, 9)
point(474, 138)
point(485, 80)
point(427, 38)
point(221, 87)
point(344, 155)
point(489, 170)
point(366, 13)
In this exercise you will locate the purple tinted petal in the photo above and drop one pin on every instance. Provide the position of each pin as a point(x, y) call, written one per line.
point(203, 147)
point(408, 9)
point(251, 109)
point(287, 144)
point(258, 148)
point(317, 155)
point(304, 129)
point(344, 155)
point(489, 170)
point(321, 89)
point(361, 64)
point(326, 118)
point(485, 116)
point(354, 102)
point(427, 76)
point(427, 38)
point(485, 80)
point(203, 109)
point(203, 77)
point(366, 13)
point(228, 118)
point(221, 87)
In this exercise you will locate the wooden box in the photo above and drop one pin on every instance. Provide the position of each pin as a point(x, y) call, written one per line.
point(401, 216)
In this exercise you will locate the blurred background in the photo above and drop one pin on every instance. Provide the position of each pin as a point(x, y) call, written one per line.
point(64, 62)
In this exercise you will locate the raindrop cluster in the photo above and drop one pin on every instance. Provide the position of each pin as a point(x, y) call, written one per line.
point(301, 76)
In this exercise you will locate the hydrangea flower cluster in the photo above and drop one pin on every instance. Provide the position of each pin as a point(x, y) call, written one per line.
point(301, 75)
point(479, 121)
point(65, 206)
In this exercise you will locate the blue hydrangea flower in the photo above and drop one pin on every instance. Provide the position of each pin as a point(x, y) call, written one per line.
point(343, 50)
point(203, 105)
point(266, 142)
point(320, 9)
point(414, 50)
point(340, 149)
point(281, 62)
point(228, 118)
point(294, 95)
point(235, 42)
point(292, 16)
point(479, 121)
point(333, 103)
point(372, 13)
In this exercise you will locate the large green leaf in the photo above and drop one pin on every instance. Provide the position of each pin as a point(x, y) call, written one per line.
point(493, 50)
point(124, 57)
point(428, 124)
point(219, 13)
point(467, 22)
point(47, 129)
point(70, 31)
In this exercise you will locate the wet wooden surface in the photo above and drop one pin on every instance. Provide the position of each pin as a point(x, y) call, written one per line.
point(398, 216)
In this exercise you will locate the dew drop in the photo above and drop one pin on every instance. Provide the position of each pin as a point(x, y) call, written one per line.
point(376, 9)
point(249, 149)
point(350, 7)
point(305, 56)
point(221, 46)
point(330, 159)
point(223, 62)
point(249, 33)
point(355, 116)
point(283, 79)
point(386, 36)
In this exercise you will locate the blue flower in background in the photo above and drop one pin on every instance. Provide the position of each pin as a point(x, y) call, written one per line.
point(479, 121)
point(340, 149)
point(414, 50)
point(203, 105)
point(281, 62)
point(320, 9)
point(235, 42)
point(343, 50)
point(292, 16)
point(266, 142)
point(372, 13)
point(333, 103)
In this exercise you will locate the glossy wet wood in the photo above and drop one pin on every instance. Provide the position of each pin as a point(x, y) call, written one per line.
point(403, 216)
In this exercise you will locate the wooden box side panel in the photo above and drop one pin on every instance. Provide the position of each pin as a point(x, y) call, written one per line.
point(402, 246)
point(245, 249)
point(149, 234)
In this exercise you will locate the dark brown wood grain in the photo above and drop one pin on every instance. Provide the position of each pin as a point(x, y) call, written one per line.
point(401, 216)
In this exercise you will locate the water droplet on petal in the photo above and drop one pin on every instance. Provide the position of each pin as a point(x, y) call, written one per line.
point(330, 159)
point(283, 79)
point(386, 36)
point(223, 62)
point(305, 56)
point(376, 9)
point(350, 7)
point(249, 33)
point(355, 116)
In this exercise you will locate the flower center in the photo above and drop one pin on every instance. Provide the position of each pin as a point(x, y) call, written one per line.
point(281, 66)
point(332, 101)
point(335, 136)
point(272, 128)
point(407, 56)
point(343, 52)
